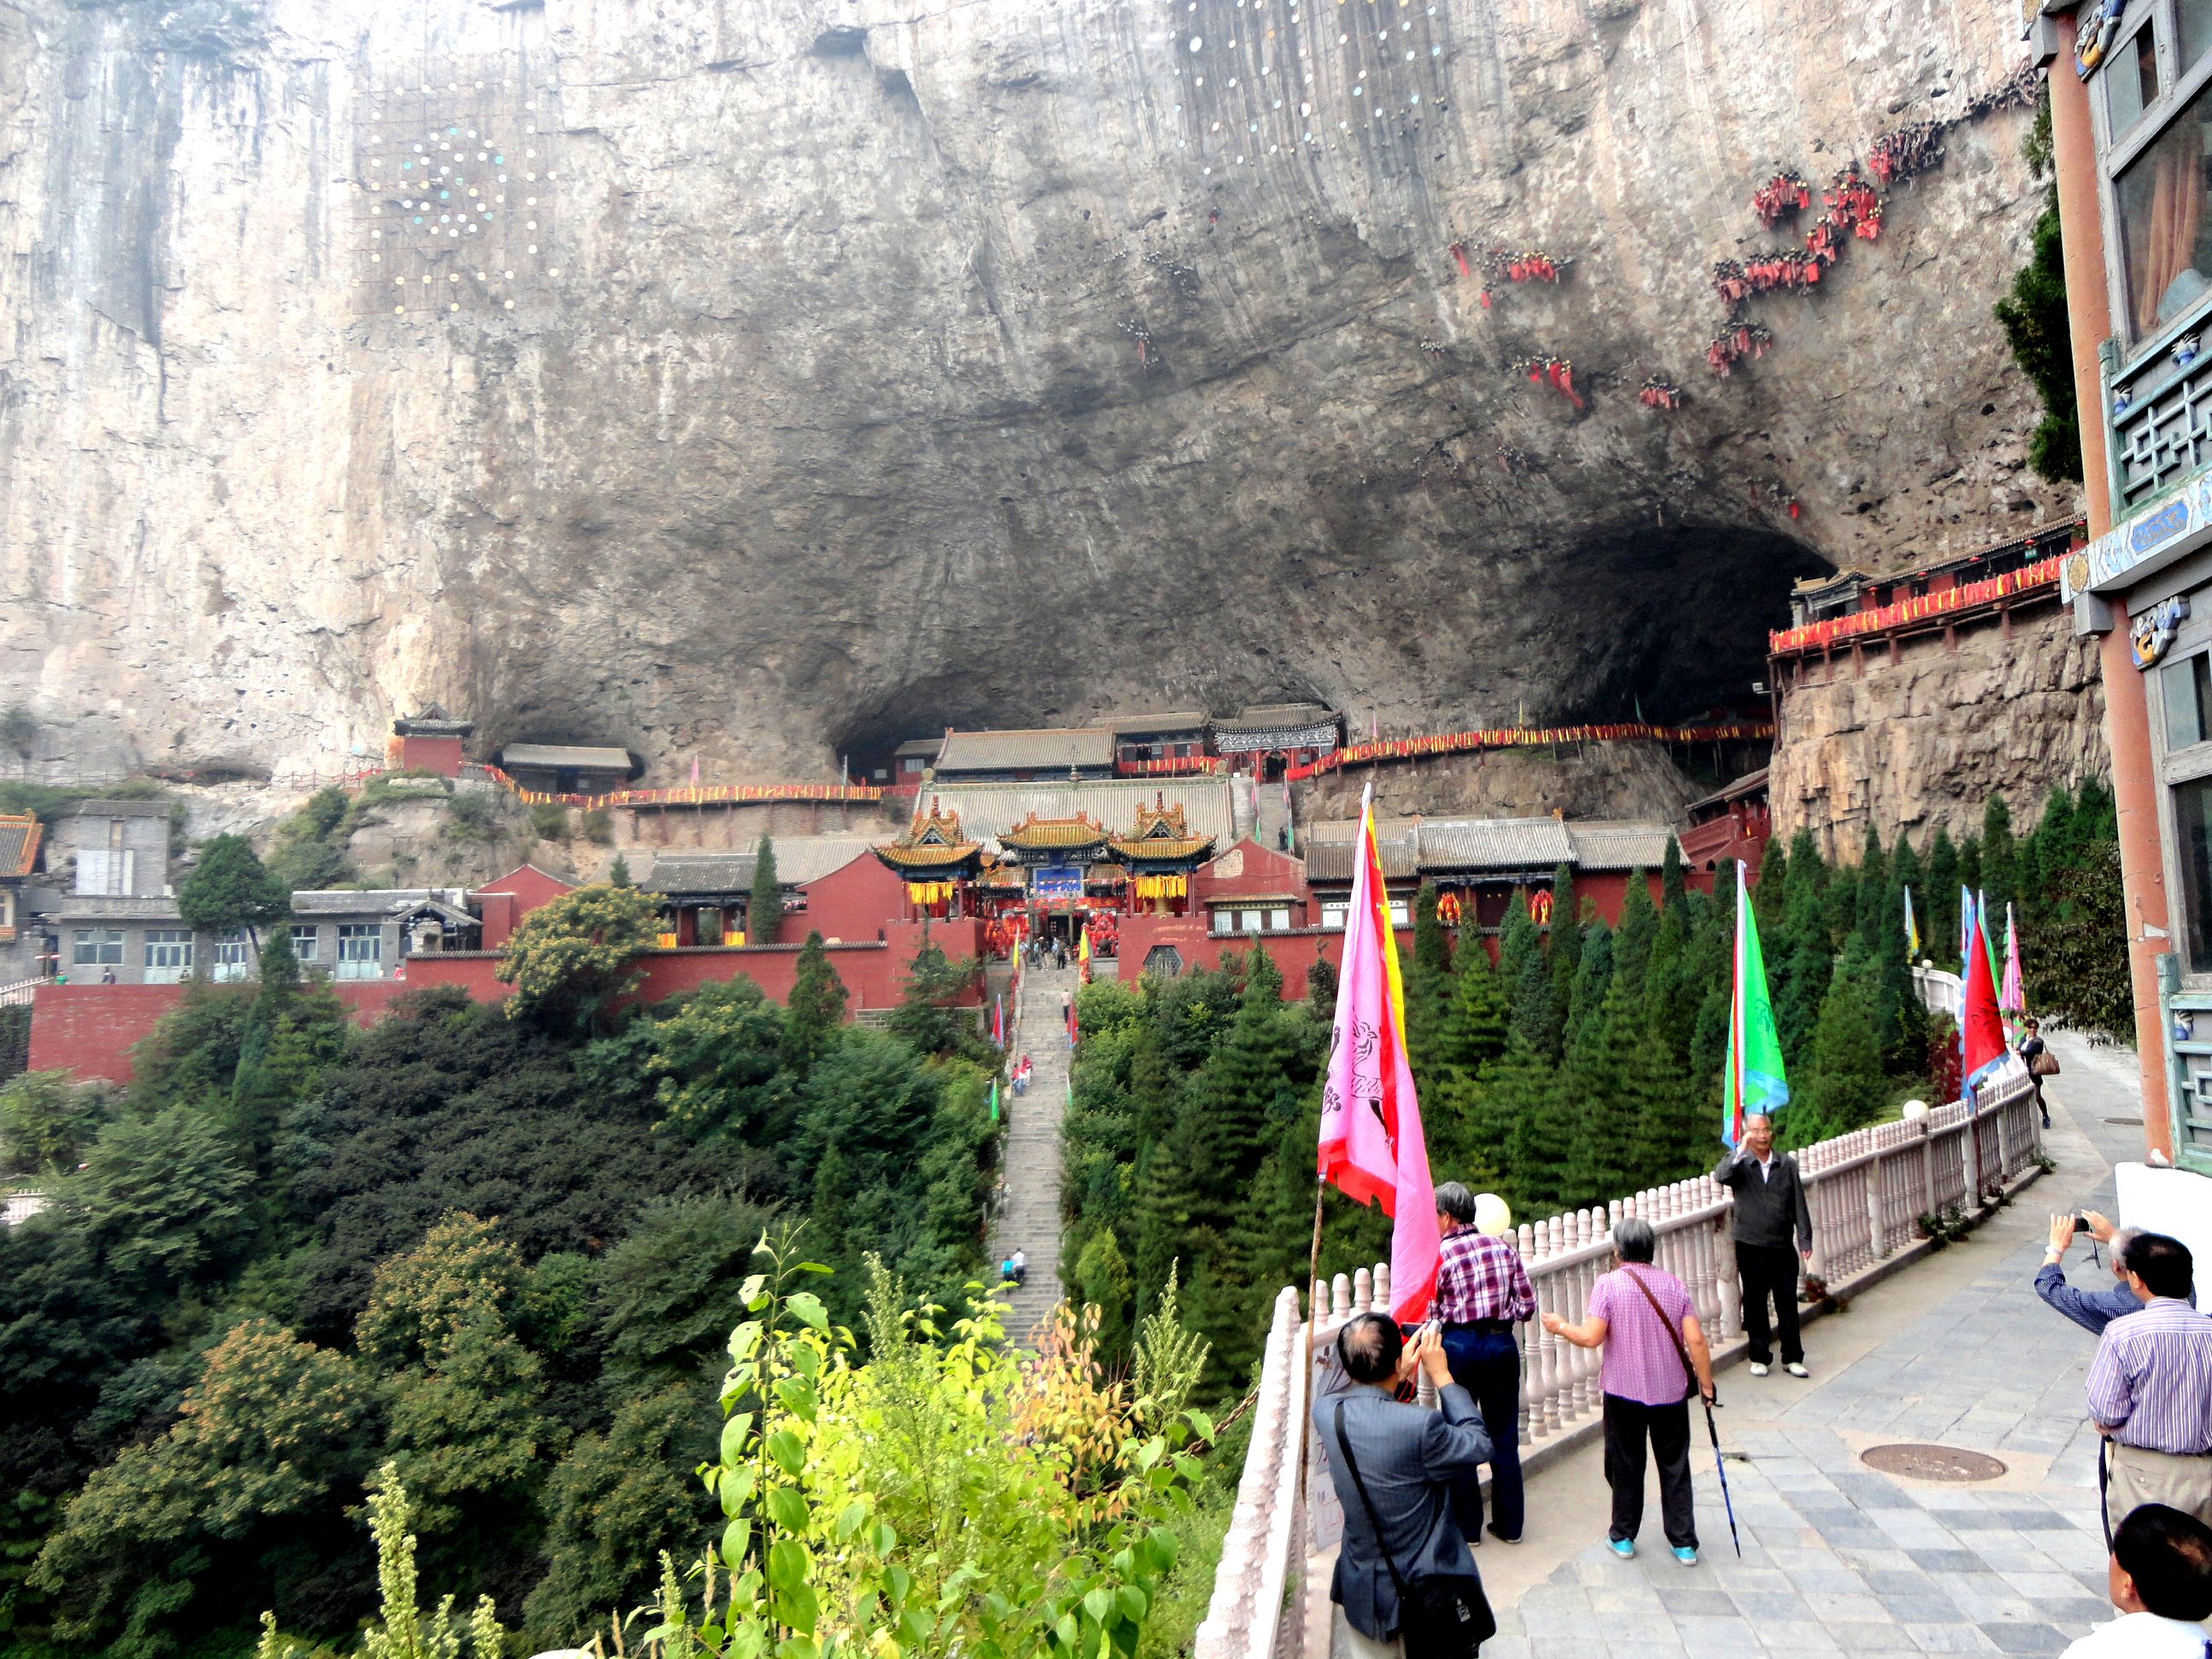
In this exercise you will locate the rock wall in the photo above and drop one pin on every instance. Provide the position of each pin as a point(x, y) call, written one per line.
point(755, 381)
point(1929, 739)
point(1577, 781)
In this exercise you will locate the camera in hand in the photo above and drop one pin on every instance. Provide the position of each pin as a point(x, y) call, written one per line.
point(2081, 1224)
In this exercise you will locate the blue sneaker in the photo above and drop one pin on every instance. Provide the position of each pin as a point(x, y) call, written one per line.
point(1623, 1547)
point(1686, 1554)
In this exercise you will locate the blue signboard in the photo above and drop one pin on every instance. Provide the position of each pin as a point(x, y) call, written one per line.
point(1056, 881)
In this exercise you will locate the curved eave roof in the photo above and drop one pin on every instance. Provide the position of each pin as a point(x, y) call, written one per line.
point(929, 858)
point(1163, 849)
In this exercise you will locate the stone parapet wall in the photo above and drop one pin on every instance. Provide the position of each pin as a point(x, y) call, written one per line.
point(1921, 732)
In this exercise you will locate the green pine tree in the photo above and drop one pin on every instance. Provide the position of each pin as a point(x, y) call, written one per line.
point(1525, 1090)
point(764, 905)
point(2000, 867)
point(1843, 1087)
point(1428, 987)
point(1611, 1081)
point(1526, 977)
point(1873, 887)
point(1673, 887)
point(1479, 1015)
point(815, 1010)
point(1640, 928)
point(1592, 980)
point(619, 873)
point(1939, 923)
point(1770, 889)
point(1564, 954)
point(2096, 816)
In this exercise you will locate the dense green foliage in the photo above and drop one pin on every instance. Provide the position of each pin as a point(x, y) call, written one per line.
point(1583, 1063)
point(2033, 318)
point(497, 1255)
point(764, 904)
point(230, 889)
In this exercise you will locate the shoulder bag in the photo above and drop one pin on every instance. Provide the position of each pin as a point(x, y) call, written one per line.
point(1681, 1352)
point(2045, 1064)
point(1439, 1617)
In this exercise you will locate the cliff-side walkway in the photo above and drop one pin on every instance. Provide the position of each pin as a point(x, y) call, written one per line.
point(1838, 1559)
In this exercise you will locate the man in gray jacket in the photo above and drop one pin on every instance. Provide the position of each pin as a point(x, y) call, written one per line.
point(1770, 1207)
point(1408, 1458)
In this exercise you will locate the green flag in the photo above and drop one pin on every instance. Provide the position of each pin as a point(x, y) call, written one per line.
point(1754, 1085)
point(995, 1100)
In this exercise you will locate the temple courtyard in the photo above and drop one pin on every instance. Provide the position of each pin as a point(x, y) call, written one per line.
point(1956, 1349)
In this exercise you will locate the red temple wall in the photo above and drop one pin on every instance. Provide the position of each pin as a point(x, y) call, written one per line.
point(89, 1029)
point(855, 903)
point(438, 755)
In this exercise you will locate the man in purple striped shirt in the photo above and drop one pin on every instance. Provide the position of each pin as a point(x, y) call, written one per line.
point(2150, 1386)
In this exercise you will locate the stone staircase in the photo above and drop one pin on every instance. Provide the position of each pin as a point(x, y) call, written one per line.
point(1267, 827)
point(1029, 1218)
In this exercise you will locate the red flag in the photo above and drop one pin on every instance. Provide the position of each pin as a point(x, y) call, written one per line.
point(1371, 1144)
point(1981, 1027)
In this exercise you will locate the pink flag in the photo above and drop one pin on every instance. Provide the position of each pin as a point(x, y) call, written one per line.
point(2012, 995)
point(694, 768)
point(1371, 1144)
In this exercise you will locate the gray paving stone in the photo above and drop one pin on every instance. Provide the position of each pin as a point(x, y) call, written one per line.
point(2025, 1638)
point(1950, 1638)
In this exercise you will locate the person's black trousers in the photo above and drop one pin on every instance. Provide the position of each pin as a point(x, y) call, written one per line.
point(1626, 1423)
point(1769, 1270)
point(1486, 1364)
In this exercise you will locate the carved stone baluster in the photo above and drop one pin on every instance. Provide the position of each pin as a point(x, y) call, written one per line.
point(1559, 1369)
point(1339, 1299)
point(1381, 1282)
point(1363, 1289)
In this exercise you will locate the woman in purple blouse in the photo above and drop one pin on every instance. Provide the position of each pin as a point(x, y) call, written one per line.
point(1640, 1316)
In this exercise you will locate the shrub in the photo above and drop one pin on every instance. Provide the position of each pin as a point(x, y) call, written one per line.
point(548, 821)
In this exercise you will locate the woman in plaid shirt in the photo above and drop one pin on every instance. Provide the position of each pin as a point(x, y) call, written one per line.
point(1482, 1291)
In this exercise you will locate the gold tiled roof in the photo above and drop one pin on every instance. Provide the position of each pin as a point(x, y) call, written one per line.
point(1164, 847)
point(932, 842)
point(1033, 834)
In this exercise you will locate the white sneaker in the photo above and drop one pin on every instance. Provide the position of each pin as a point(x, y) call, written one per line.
point(1758, 1369)
point(1797, 1369)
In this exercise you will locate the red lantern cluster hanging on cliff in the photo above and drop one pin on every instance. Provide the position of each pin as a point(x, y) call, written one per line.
point(1780, 197)
point(1781, 270)
point(1557, 373)
point(1501, 264)
point(1852, 206)
point(1738, 337)
point(1656, 393)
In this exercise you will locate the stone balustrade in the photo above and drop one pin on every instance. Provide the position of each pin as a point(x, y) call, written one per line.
point(1867, 1190)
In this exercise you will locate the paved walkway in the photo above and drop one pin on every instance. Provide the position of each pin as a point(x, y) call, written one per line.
point(1030, 1219)
point(1837, 1559)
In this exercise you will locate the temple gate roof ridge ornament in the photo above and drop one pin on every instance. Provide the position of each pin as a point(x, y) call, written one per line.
point(932, 844)
point(1162, 836)
point(1037, 834)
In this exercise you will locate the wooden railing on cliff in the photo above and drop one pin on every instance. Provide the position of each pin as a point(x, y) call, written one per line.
point(1948, 606)
point(1530, 736)
point(1868, 1190)
point(696, 795)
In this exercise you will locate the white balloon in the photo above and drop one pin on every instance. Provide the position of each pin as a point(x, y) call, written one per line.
point(1493, 1215)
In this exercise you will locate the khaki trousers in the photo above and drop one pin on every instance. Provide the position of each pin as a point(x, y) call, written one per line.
point(2142, 1476)
point(1366, 1647)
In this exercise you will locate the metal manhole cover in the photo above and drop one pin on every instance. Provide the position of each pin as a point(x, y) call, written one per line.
point(1920, 1461)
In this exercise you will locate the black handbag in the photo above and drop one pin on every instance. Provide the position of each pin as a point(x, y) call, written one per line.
point(1439, 1617)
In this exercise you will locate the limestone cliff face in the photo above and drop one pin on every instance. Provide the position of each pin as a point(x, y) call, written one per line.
point(1928, 738)
point(802, 372)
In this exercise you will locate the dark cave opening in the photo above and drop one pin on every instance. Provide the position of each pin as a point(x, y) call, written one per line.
point(1677, 619)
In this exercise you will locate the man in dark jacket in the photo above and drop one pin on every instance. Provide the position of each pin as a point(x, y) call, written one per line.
point(1408, 1458)
point(1771, 1216)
